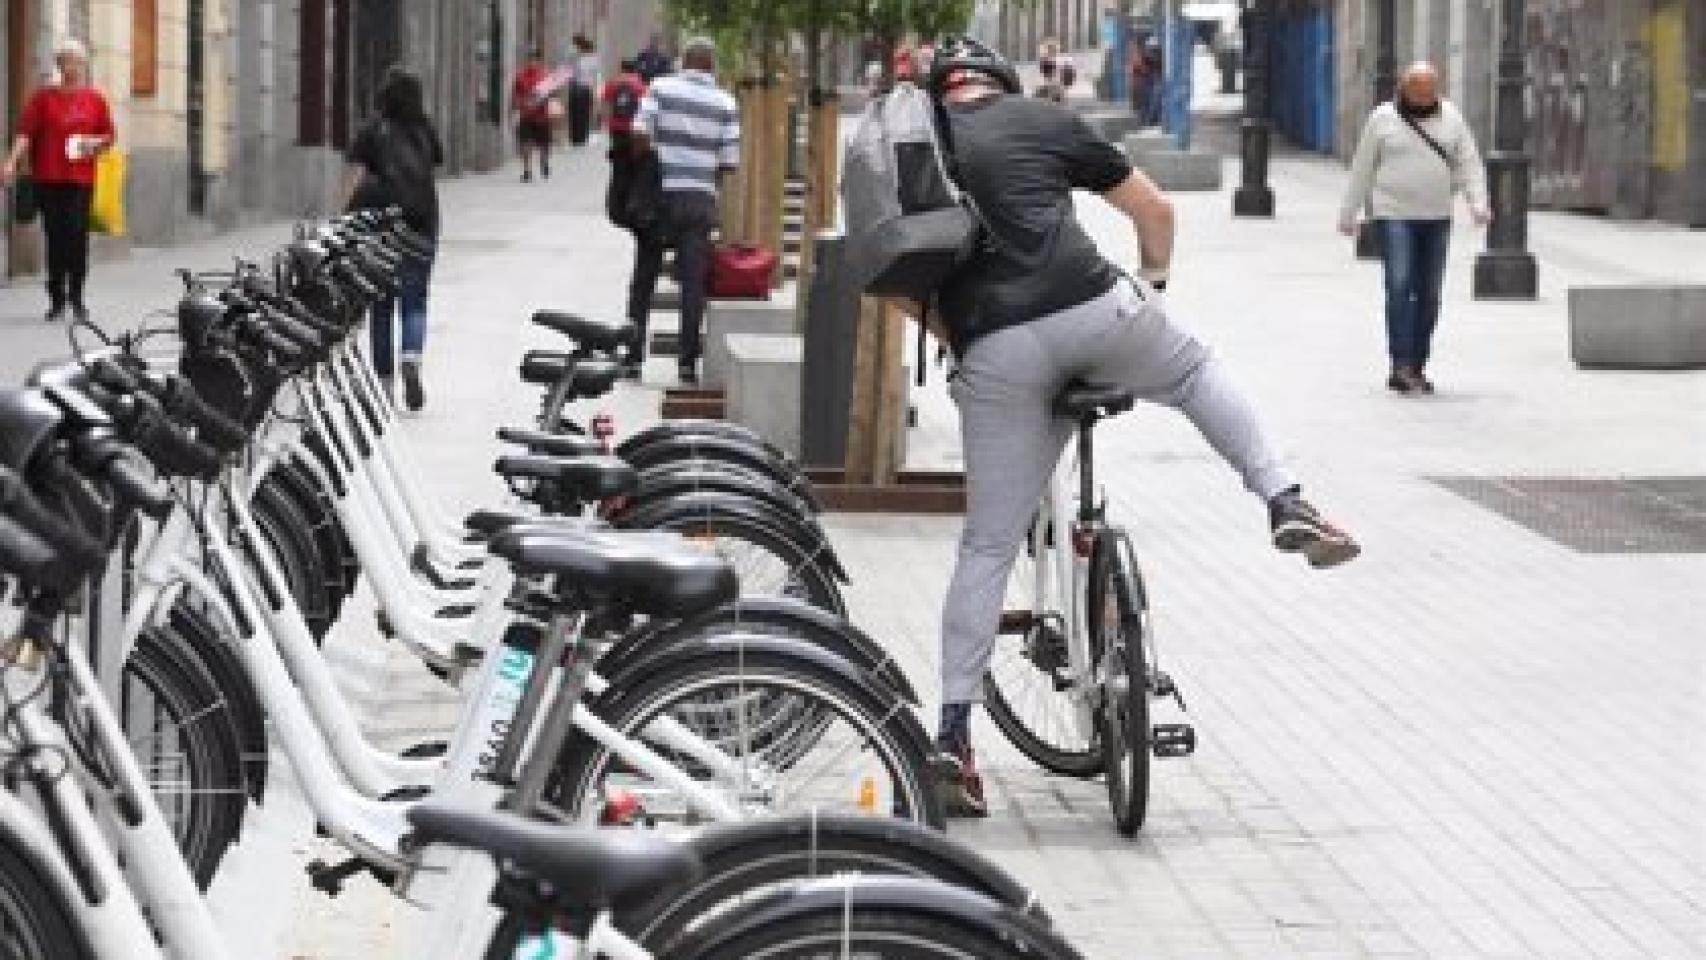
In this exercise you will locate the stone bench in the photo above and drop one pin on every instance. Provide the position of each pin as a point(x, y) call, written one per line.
point(764, 386)
point(1181, 170)
point(1145, 142)
point(1642, 327)
point(1113, 123)
point(728, 318)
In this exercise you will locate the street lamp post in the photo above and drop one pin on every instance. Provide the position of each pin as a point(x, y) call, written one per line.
point(1385, 83)
point(1506, 270)
point(1254, 198)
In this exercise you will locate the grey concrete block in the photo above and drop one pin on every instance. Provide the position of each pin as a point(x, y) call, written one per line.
point(725, 319)
point(1639, 326)
point(1113, 123)
point(1181, 169)
point(764, 386)
point(1142, 143)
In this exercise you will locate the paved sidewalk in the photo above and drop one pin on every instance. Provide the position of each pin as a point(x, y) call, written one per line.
point(1472, 742)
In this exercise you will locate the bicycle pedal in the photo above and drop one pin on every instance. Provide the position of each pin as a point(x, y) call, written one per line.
point(1016, 621)
point(1173, 740)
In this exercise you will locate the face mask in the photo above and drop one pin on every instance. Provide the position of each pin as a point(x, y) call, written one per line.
point(1409, 109)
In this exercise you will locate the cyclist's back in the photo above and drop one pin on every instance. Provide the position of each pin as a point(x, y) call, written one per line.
point(1020, 159)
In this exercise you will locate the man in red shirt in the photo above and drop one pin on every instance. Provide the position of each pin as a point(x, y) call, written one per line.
point(530, 99)
point(64, 127)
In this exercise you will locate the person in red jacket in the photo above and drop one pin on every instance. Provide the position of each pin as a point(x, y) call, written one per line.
point(64, 127)
point(530, 99)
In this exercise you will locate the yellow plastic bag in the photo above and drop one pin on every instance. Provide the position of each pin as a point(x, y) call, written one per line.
point(106, 210)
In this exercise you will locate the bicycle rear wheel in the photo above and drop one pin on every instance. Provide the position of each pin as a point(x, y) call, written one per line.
point(1119, 623)
point(1028, 690)
point(793, 733)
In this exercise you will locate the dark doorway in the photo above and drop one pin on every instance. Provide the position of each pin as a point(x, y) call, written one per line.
point(195, 15)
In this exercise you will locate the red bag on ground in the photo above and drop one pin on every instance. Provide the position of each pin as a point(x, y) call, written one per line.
point(738, 270)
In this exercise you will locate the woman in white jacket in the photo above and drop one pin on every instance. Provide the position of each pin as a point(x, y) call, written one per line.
point(1415, 156)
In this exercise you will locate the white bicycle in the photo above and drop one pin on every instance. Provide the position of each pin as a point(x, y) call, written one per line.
point(1075, 664)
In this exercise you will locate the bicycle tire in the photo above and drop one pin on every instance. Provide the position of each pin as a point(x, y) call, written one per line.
point(200, 792)
point(215, 652)
point(288, 532)
point(337, 554)
point(890, 731)
point(1118, 625)
point(1032, 665)
point(34, 925)
point(746, 859)
point(806, 577)
point(833, 927)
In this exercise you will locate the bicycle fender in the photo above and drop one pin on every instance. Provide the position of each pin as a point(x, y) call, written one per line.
point(692, 447)
point(714, 839)
point(865, 650)
point(910, 895)
point(700, 427)
point(694, 475)
point(829, 630)
point(810, 538)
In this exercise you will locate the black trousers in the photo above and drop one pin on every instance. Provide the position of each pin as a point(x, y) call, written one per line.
point(580, 113)
point(688, 218)
point(65, 221)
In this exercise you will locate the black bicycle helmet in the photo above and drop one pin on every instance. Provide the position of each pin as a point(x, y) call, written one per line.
point(961, 55)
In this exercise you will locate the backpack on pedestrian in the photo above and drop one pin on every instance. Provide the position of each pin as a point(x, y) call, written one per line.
point(625, 102)
point(909, 226)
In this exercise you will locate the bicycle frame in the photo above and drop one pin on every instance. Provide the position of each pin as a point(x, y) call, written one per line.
point(1069, 571)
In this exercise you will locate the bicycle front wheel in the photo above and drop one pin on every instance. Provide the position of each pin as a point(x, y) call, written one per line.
point(1118, 623)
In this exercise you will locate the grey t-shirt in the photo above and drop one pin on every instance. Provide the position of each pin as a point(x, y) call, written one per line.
point(1020, 158)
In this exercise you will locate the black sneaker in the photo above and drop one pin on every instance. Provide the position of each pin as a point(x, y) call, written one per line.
point(413, 396)
point(1421, 381)
point(80, 312)
point(960, 786)
point(1299, 528)
point(527, 176)
point(689, 374)
point(1397, 383)
point(55, 313)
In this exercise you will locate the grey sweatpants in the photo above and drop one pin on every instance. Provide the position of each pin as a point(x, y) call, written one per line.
point(1004, 387)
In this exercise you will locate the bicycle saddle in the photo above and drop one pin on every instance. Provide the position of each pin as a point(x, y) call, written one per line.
point(590, 377)
point(583, 478)
point(646, 571)
point(1082, 400)
point(554, 444)
point(588, 869)
point(586, 331)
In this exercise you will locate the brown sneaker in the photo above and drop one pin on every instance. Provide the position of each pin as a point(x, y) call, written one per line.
point(961, 786)
point(1300, 528)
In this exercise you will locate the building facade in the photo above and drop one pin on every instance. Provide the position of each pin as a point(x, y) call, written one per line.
point(1616, 91)
point(235, 111)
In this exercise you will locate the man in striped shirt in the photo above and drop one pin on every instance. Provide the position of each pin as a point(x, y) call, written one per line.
point(694, 126)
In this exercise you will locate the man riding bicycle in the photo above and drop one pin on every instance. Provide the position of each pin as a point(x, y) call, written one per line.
point(1038, 307)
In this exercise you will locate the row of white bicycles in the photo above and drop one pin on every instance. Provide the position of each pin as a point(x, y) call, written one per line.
point(669, 741)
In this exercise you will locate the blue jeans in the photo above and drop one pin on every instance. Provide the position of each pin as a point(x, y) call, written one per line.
point(413, 278)
point(1414, 254)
